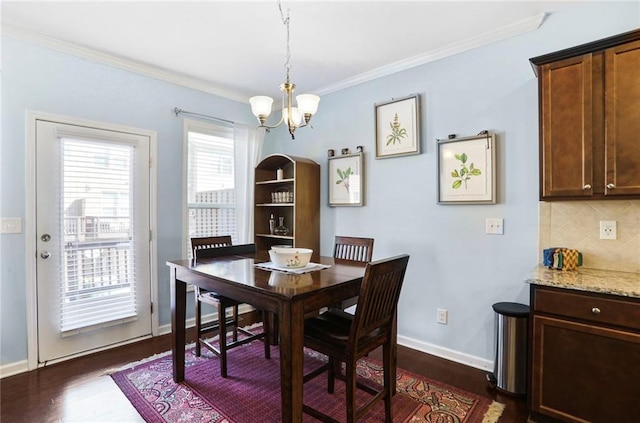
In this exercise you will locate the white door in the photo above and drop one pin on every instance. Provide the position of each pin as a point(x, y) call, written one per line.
point(92, 226)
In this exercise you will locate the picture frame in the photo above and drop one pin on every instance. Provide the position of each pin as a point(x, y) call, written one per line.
point(467, 170)
point(346, 180)
point(398, 127)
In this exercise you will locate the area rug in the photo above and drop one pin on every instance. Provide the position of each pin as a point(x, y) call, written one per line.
point(251, 393)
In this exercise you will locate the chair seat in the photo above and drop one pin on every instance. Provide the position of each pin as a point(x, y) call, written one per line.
point(212, 298)
point(332, 329)
point(331, 326)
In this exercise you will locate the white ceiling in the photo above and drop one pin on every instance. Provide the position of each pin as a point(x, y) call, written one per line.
point(237, 48)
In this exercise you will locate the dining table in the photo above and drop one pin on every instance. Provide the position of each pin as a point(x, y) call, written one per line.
point(289, 296)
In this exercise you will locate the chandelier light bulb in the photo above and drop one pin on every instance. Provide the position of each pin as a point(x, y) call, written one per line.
point(296, 116)
point(308, 103)
point(261, 105)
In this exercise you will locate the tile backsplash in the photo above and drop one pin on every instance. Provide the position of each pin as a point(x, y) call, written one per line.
point(576, 224)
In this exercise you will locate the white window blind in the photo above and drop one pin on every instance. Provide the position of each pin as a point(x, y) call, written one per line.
point(98, 264)
point(211, 194)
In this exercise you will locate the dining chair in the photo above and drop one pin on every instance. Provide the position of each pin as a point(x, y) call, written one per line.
point(353, 249)
point(345, 338)
point(208, 247)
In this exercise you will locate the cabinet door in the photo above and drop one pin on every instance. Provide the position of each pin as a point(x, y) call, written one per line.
point(584, 373)
point(566, 127)
point(622, 119)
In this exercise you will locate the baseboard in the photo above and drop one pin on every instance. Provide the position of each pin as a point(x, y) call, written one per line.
point(13, 368)
point(446, 353)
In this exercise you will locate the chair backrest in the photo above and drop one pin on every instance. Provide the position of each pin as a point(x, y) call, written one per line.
point(352, 248)
point(228, 250)
point(378, 298)
point(206, 242)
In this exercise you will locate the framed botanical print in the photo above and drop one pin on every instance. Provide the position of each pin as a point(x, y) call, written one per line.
point(398, 127)
point(466, 170)
point(346, 176)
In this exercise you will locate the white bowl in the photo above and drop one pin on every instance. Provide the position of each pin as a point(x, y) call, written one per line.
point(281, 247)
point(290, 258)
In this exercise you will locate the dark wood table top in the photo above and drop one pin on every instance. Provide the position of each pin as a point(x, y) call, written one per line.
point(241, 269)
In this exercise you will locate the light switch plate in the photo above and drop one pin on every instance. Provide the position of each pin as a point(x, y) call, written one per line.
point(11, 225)
point(494, 226)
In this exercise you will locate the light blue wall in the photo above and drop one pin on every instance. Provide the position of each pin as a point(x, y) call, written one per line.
point(454, 265)
point(40, 79)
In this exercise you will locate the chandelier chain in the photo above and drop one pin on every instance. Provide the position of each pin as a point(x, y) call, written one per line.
point(285, 21)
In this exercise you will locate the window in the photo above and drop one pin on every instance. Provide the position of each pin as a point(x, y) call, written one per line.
point(210, 179)
point(98, 283)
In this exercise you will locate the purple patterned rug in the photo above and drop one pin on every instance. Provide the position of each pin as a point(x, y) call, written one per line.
point(251, 393)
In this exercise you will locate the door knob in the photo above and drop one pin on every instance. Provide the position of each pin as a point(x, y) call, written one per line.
point(587, 186)
point(45, 237)
point(611, 186)
point(45, 254)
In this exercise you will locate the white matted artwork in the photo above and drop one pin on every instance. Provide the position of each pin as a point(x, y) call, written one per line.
point(466, 170)
point(398, 127)
point(346, 175)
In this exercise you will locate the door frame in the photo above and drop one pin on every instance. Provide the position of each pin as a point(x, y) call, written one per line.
point(30, 226)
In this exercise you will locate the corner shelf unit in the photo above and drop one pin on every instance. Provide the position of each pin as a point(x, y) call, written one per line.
point(301, 177)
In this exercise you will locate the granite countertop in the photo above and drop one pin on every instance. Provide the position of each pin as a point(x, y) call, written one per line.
point(625, 284)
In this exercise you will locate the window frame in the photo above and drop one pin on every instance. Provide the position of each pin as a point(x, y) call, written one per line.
point(190, 125)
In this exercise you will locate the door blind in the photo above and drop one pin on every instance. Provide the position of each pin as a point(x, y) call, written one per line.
point(98, 265)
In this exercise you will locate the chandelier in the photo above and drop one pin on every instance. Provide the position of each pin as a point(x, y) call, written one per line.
point(307, 104)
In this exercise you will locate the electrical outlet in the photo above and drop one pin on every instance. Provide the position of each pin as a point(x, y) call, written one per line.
point(608, 229)
point(443, 316)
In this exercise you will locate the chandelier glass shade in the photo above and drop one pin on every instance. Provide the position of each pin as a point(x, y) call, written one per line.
point(295, 117)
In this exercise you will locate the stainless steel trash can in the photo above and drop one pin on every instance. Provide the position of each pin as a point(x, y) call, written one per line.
point(510, 367)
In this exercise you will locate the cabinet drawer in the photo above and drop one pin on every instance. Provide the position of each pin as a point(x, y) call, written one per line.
point(593, 308)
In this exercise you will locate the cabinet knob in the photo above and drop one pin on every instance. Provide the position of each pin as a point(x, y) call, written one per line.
point(587, 186)
point(595, 310)
point(610, 186)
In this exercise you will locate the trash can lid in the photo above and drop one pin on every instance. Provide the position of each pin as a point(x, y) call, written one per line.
point(512, 309)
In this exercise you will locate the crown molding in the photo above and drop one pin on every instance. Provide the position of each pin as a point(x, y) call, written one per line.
point(121, 62)
point(498, 34)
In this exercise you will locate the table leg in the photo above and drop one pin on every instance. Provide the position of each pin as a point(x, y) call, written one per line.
point(291, 323)
point(222, 338)
point(178, 311)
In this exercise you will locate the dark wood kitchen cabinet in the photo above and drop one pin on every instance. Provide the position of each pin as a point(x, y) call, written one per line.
point(585, 356)
point(589, 111)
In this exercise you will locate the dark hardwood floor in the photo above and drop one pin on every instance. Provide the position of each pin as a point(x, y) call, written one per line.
point(79, 391)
